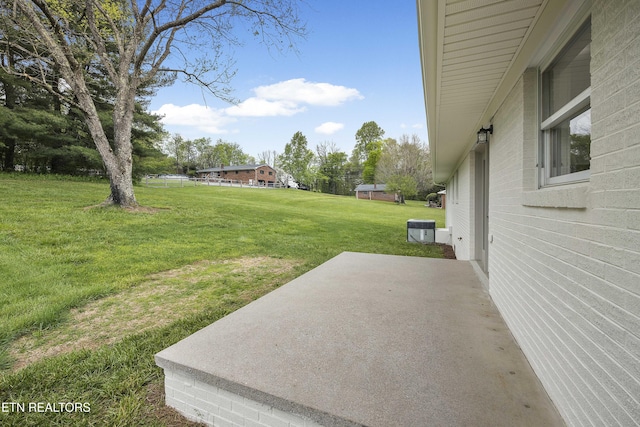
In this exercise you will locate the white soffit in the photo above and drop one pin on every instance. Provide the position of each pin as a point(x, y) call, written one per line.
point(477, 43)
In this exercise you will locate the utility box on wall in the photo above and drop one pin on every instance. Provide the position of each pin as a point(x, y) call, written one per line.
point(421, 231)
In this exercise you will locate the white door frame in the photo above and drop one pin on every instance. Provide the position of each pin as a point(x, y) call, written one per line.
point(482, 207)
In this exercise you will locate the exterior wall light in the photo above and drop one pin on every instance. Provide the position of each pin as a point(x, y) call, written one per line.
point(483, 135)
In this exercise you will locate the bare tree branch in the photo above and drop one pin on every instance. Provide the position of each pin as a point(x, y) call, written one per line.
point(130, 46)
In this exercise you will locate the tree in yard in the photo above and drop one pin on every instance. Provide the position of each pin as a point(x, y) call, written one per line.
point(369, 133)
point(373, 156)
point(405, 166)
point(199, 153)
point(129, 41)
point(229, 153)
point(404, 185)
point(296, 158)
point(204, 153)
point(331, 169)
point(268, 157)
point(174, 147)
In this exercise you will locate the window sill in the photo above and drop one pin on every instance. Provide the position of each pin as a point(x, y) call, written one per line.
point(572, 196)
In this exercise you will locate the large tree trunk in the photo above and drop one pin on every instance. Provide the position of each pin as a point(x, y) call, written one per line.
point(8, 159)
point(121, 190)
point(121, 175)
point(10, 99)
point(118, 159)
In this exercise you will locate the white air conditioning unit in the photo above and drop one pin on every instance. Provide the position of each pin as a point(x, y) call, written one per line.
point(421, 231)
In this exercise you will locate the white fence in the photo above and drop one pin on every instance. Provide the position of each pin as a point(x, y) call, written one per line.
point(183, 181)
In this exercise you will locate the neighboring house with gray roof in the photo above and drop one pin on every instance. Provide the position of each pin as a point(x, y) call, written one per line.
point(247, 174)
point(373, 192)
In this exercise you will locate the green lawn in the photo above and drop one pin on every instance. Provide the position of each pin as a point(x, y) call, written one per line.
point(89, 294)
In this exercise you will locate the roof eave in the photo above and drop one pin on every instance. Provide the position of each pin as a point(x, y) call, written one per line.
point(451, 131)
point(429, 23)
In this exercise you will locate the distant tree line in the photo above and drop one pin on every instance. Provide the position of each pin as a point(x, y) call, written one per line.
point(40, 134)
point(188, 156)
point(404, 165)
point(76, 79)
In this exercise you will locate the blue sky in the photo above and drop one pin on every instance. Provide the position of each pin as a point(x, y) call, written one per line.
point(359, 63)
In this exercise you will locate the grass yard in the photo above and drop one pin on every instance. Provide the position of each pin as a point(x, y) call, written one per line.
point(89, 294)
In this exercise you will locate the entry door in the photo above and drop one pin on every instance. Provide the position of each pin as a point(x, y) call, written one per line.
point(482, 207)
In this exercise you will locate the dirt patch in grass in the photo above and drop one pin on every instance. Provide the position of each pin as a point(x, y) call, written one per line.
point(160, 300)
point(132, 209)
point(447, 252)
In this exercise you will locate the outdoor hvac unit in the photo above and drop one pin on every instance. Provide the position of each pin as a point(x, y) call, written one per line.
point(421, 231)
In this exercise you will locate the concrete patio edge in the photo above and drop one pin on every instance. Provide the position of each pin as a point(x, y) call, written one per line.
point(367, 339)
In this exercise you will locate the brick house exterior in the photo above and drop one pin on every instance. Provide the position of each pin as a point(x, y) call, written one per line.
point(247, 174)
point(374, 192)
point(559, 251)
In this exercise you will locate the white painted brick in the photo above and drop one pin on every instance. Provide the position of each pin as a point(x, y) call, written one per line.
point(253, 423)
point(178, 405)
point(228, 395)
point(292, 419)
point(273, 421)
point(566, 280)
point(207, 405)
point(622, 199)
point(178, 383)
point(222, 400)
point(213, 406)
point(246, 411)
point(232, 416)
point(219, 421)
point(622, 278)
point(256, 406)
point(632, 219)
point(168, 388)
point(630, 261)
point(209, 393)
point(182, 396)
point(198, 414)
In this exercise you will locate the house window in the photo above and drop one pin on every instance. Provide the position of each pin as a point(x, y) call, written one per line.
point(566, 112)
point(261, 172)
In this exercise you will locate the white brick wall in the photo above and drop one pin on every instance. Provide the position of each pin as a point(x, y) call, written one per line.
point(458, 212)
point(567, 280)
point(213, 406)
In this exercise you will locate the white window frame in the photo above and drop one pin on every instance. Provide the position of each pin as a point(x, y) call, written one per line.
point(568, 111)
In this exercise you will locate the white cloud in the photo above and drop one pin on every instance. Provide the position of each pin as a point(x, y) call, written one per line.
point(329, 128)
point(259, 107)
point(285, 98)
point(301, 91)
point(413, 126)
point(289, 97)
point(195, 115)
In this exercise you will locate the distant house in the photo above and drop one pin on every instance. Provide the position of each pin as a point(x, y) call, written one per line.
point(374, 192)
point(247, 174)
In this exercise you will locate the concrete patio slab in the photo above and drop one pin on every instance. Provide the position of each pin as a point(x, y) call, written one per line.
point(364, 339)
